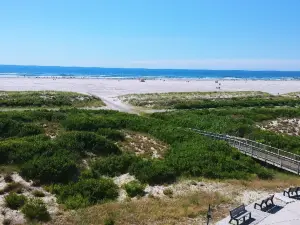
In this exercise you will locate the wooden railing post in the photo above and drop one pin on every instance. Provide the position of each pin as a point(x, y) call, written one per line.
point(280, 158)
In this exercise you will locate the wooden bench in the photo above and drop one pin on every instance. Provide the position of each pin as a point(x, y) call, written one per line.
point(239, 213)
point(292, 192)
point(265, 202)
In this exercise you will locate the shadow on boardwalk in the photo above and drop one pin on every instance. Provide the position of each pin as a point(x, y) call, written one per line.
point(259, 215)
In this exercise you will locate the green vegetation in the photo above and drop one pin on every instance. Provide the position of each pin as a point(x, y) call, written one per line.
point(47, 99)
point(238, 122)
point(293, 94)
point(11, 128)
point(113, 165)
point(14, 151)
point(15, 201)
point(81, 142)
point(109, 221)
point(58, 167)
point(240, 102)
point(86, 192)
point(35, 209)
point(205, 100)
point(111, 134)
point(134, 188)
point(169, 100)
point(153, 172)
point(89, 136)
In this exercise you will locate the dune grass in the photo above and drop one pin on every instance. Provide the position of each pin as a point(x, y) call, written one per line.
point(169, 100)
point(293, 94)
point(179, 210)
point(202, 100)
point(33, 99)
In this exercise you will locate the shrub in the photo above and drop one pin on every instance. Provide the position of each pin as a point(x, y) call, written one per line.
point(35, 209)
point(109, 221)
point(29, 129)
point(237, 102)
point(86, 174)
point(213, 159)
point(153, 172)
point(11, 128)
point(90, 123)
point(134, 188)
point(81, 141)
point(90, 190)
point(21, 150)
point(3, 155)
point(38, 193)
point(111, 134)
point(34, 115)
point(56, 168)
point(114, 165)
point(14, 201)
point(189, 153)
point(76, 202)
point(264, 174)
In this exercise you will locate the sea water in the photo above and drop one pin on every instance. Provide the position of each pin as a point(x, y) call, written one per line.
point(133, 73)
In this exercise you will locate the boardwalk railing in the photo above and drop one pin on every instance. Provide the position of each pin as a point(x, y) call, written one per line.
point(274, 156)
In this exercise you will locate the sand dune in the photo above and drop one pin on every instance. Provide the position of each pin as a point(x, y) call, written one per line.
point(109, 89)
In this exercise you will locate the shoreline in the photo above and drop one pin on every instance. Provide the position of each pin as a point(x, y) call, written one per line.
point(147, 78)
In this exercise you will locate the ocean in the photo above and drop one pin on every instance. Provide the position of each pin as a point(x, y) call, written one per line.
point(133, 73)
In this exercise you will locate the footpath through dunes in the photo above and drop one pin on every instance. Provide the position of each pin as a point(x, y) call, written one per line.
point(118, 105)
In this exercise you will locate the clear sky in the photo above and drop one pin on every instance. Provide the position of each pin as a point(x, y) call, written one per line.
point(204, 34)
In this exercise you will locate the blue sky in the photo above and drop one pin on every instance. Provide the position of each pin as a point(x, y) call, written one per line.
point(204, 34)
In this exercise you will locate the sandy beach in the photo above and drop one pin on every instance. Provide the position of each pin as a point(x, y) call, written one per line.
point(109, 89)
point(113, 87)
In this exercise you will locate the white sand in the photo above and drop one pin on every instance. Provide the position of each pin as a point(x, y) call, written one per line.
point(108, 89)
point(16, 216)
point(113, 87)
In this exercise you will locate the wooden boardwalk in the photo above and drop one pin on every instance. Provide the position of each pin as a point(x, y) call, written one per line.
point(270, 155)
point(259, 216)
